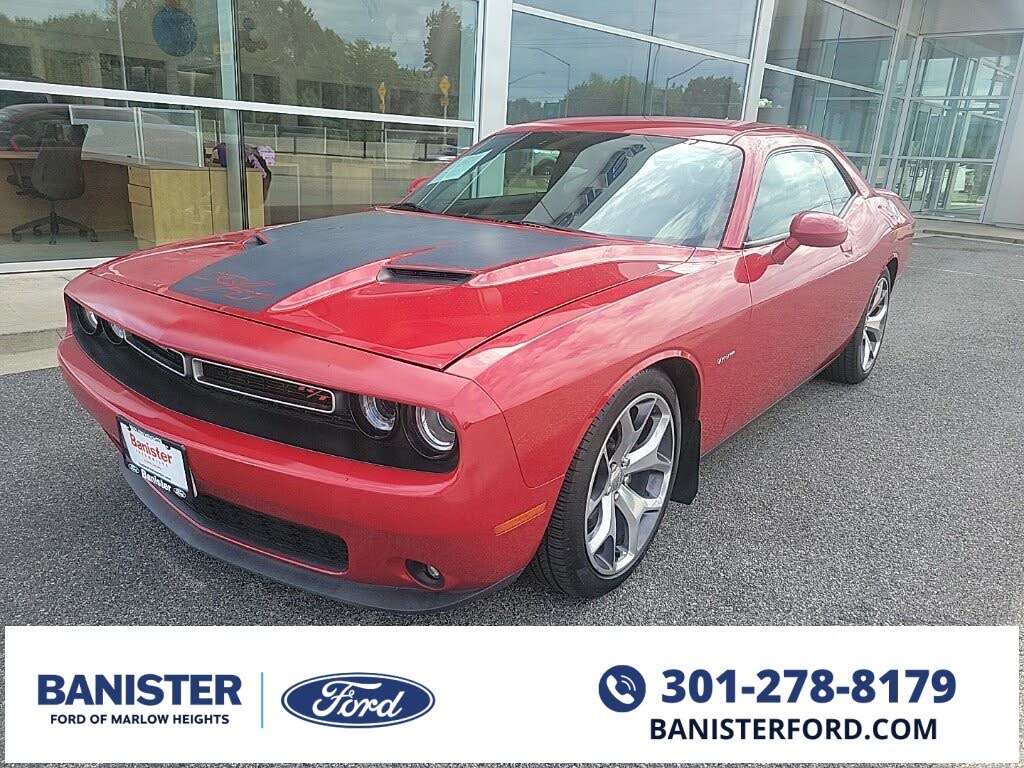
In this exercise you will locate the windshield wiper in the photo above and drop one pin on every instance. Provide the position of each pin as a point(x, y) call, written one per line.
point(535, 224)
point(409, 207)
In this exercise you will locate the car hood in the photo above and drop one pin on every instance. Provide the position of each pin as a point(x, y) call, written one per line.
point(416, 287)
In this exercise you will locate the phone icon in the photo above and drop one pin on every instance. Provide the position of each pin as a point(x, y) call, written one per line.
point(622, 688)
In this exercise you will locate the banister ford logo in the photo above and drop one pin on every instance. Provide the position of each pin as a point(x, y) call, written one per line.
point(358, 700)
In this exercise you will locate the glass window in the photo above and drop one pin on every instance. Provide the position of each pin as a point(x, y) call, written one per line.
point(326, 166)
point(882, 9)
point(971, 65)
point(954, 128)
point(904, 55)
point(792, 182)
point(845, 116)
point(652, 188)
point(406, 57)
point(839, 188)
point(161, 47)
point(892, 120)
point(559, 70)
point(724, 25)
point(822, 39)
point(692, 85)
point(138, 174)
point(943, 189)
point(635, 15)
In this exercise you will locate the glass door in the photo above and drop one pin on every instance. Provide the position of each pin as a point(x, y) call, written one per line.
point(954, 122)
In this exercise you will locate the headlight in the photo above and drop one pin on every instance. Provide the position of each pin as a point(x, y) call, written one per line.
point(117, 333)
point(376, 417)
point(431, 432)
point(89, 320)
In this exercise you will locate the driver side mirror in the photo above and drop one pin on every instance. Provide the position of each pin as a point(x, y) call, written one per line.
point(813, 229)
point(416, 184)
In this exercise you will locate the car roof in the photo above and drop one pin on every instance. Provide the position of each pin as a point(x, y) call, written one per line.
point(709, 129)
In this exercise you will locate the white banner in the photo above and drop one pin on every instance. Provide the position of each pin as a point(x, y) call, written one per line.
point(512, 694)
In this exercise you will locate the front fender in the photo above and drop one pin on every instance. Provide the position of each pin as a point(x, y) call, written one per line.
point(551, 376)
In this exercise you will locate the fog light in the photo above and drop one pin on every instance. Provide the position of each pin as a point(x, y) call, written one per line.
point(118, 331)
point(427, 575)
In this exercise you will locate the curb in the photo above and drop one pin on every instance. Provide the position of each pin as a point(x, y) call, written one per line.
point(1011, 239)
point(30, 341)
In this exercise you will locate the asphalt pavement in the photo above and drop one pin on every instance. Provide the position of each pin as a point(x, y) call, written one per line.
point(894, 502)
point(898, 501)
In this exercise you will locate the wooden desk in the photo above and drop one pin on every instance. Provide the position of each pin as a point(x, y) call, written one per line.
point(170, 204)
point(157, 202)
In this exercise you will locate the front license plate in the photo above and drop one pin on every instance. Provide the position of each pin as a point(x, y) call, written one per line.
point(159, 461)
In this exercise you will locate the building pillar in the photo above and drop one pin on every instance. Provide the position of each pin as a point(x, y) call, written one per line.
point(494, 65)
point(758, 54)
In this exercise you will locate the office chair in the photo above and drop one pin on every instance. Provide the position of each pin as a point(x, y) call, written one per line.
point(56, 175)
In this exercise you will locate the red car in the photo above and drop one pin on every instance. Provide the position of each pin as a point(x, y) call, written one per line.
point(519, 365)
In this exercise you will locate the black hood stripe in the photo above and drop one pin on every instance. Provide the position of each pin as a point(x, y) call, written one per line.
point(300, 255)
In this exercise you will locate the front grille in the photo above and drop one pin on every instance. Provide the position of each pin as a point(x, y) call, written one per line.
point(170, 359)
point(263, 387)
point(235, 402)
point(272, 534)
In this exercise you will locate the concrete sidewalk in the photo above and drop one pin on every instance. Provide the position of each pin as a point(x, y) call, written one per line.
point(31, 319)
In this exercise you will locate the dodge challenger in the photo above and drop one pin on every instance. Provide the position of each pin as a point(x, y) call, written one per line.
point(518, 366)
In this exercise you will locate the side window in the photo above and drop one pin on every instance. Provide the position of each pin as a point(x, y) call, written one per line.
point(792, 182)
point(838, 187)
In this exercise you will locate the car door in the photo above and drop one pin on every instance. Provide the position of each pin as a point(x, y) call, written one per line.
point(795, 324)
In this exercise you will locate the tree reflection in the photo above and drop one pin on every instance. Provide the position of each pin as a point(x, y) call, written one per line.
point(709, 96)
point(286, 53)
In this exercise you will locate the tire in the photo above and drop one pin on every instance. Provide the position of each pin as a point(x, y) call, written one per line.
point(563, 562)
point(855, 363)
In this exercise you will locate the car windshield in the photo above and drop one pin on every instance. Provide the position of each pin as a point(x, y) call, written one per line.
point(653, 188)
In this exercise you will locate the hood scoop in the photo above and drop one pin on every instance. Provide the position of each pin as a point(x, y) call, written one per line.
point(422, 276)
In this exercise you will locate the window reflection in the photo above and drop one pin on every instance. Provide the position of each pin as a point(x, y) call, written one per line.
point(130, 175)
point(162, 46)
point(822, 39)
point(974, 65)
point(692, 85)
point(723, 25)
point(407, 57)
point(560, 70)
point(341, 166)
point(726, 26)
point(845, 116)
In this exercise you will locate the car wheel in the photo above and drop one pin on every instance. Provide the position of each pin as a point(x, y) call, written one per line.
point(858, 359)
point(615, 491)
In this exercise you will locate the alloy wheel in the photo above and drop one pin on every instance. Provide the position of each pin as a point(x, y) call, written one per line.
point(630, 484)
point(874, 324)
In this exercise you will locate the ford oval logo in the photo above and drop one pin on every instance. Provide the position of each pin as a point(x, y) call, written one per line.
point(358, 700)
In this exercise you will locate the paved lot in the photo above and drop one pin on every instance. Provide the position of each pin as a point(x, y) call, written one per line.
point(898, 501)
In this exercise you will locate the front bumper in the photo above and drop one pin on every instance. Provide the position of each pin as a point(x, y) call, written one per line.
point(175, 515)
point(457, 522)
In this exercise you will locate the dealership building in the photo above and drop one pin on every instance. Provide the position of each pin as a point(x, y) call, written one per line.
point(195, 117)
